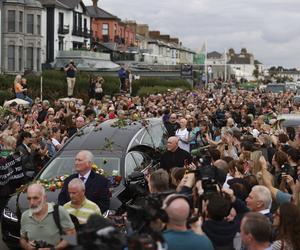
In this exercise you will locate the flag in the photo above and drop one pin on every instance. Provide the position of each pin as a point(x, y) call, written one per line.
point(199, 57)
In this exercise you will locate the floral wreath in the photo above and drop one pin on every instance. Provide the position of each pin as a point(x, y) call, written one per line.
point(57, 182)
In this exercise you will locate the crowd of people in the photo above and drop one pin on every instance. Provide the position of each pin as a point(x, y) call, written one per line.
point(234, 172)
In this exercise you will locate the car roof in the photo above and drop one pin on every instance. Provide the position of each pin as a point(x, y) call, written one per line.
point(113, 133)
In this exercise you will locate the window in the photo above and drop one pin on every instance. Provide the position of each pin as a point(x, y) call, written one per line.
point(11, 58)
point(135, 161)
point(21, 21)
point(29, 59)
point(60, 43)
point(85, 25)
point(38, 59)
point(30, 23)
point(74, 21)
point(20, 58)
point(79, 22)
point(105, 29)
point(11, 21)
point(38, 25)
point(61, 20)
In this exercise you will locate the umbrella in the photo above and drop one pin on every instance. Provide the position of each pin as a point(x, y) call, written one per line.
point(18, 101)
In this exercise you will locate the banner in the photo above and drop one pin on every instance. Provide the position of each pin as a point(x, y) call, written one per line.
point(10, 169)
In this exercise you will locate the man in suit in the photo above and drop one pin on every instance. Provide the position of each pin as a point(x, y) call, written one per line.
point(96, 186)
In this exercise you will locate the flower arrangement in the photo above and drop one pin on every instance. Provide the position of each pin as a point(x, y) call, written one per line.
point(57, 182)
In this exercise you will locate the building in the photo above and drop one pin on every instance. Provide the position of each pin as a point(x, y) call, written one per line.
point(242, 65)
point(68, 27)
point(21, 36)
point(217, 62)
point(108, 28)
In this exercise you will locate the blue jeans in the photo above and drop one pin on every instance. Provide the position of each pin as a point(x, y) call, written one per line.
point(24, 97)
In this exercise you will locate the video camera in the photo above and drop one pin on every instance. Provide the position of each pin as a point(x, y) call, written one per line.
point(149, 209)
point(206, 172)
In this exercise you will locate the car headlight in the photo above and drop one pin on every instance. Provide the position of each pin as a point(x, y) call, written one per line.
point(9, 215)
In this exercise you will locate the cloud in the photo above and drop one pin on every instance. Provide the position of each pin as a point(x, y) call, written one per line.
point(267, 28)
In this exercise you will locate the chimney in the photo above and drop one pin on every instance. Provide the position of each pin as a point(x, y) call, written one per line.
point(95, 3)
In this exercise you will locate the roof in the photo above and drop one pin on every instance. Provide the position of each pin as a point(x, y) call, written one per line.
point(257, 62)
point(32, 3)
point(66, 4)
point(214, 54)
point(100, 13)
point(239, 60)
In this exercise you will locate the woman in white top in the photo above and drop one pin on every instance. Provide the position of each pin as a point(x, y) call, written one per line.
point(183, 135)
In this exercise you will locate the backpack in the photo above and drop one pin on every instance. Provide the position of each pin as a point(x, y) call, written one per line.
point(57, 220)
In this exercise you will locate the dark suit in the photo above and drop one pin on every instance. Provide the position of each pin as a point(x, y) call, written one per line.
point(96, 190)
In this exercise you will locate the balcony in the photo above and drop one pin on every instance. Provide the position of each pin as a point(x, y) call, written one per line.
point(77, 32)
point(84, 32)
point(63, 29)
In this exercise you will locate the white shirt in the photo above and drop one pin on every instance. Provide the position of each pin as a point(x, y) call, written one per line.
point(265, 211)
point(183, 136)
point(86, 176)
point(55, 142)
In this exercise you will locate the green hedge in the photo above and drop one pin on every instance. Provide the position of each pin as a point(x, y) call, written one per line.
point(145, 91)
point(55, 85)
point(155, 81)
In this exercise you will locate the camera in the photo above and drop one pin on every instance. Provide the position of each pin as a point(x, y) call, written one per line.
point(42, 244)
point(140, 214)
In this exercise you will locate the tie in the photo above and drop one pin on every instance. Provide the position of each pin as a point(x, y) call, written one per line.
point(82, 178)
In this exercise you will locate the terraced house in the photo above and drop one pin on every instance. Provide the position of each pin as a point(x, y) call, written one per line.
point(21, 36)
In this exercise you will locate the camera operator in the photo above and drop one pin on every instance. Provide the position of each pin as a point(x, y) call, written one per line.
point(177, 235)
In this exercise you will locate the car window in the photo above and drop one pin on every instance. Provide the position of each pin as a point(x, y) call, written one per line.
point(65, 166)
point(154, 136)
point(135, 161)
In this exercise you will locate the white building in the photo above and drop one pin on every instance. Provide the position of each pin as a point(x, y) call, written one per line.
point(242, 65)
point(68, 27)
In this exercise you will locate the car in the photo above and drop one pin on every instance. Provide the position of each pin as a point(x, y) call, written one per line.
point(288, 120)
point(276, 87)
point(296, 100)
point(291, 86)
point(120, 147)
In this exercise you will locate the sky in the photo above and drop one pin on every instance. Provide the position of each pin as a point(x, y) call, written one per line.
point(270, 29)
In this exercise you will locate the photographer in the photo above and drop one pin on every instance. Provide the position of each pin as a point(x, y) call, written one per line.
point(71, 70)
point(38, 226)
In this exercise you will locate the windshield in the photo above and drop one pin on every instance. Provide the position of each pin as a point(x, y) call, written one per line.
point(65, 166)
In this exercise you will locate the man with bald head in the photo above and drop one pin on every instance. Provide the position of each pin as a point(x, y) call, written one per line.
point(177, 236)
point(96, 185)
point(174, 156)
point(37, 223)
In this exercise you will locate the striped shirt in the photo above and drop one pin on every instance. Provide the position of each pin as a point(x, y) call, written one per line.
point(83, 213)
